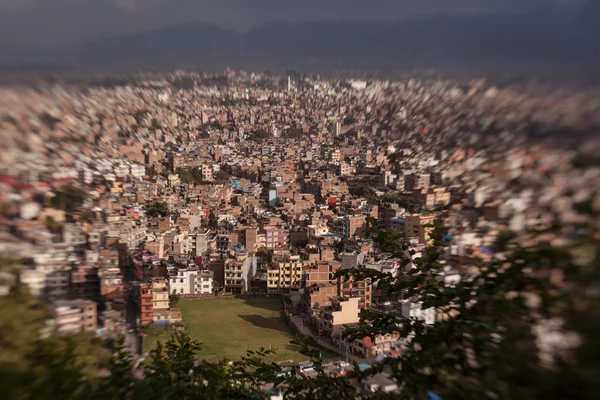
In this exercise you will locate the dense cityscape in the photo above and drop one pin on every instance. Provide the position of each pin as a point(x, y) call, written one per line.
point(245, 207)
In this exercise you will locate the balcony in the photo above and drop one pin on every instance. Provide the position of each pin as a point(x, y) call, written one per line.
point(68, 320)
point(75, 327)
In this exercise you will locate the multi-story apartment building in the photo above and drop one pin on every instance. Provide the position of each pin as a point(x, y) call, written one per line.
point(191, 281)
point(217, 266)
point(234, 274)
point(355, 225)
point(276, 237)
point(343, 311)
point(417, 181)
point(285, 275)
point(207, 172)
point(160, 294)
point(132, 236)
point(388, 212)
point(320, 296)
point(183, 280)
point(204, 282)
point(74, 316)
point(415, 227)
point(74, 235)
point(144, 300)
point(249, 238)
point(357, 289)
point(200, 241)
point(57, 284)
point(413, 309)
point(66, 316)
point(369, 349)
point(111, 285)
point(319, 274)
point(156, 246)
point(85, 283)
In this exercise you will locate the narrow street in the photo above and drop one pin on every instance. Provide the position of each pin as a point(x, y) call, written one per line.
point(323, 342)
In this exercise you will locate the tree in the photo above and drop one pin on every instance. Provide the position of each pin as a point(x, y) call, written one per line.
point(487, 343)
point(154, 125)
point(258, 135)
point(69, 198)
point(349, 120)
point(151, 172)
point(216, 287)
point(265, 254)
point(49, 120)
point(365, 191)
point(585, 160)
point(293, 133)
point(173, 299)
point(222, 176)
point(52, 225)
point(503, 238)
point(157, 208)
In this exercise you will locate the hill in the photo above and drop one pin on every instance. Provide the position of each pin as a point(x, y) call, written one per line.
point(557, 38)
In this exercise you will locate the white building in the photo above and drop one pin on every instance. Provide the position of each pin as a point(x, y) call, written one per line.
point(412, 309)
point(183, 282)
point(132, 236)
point(204, 282)
point(138, 171)
point(52, 283)
point(74, 235)
point(358, 85)
point(191, 281)
point(121, 170)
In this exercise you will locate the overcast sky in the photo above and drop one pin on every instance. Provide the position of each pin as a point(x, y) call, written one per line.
point(51, 23)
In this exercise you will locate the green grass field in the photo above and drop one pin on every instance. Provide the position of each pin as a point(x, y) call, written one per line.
point(227, 328)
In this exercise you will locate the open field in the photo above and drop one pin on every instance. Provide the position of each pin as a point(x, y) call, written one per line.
point(228, 327)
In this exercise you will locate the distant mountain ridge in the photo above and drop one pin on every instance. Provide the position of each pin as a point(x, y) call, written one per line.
point(535, 39)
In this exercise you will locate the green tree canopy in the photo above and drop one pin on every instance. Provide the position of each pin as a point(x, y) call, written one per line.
point(222, 176)
point(158, 208)
point(258, 135)
point(265, 254)
point(69, 198)
point(489, 342)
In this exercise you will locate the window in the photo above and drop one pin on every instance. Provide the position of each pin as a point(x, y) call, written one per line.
point(181, 291)
point(181, 281)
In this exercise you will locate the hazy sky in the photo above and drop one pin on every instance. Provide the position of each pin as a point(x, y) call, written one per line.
point(49, 23)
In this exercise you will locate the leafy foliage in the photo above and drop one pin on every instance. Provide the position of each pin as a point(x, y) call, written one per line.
point(52, 225)
point(265, 254)
point(69, 198)
point(173, 299)
point(293, 133)
point(487, 341)
point(158, 208)
point(259, 135)
point(191, 175)
point(365, 191)
point(503, 238)
point(222, 176)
